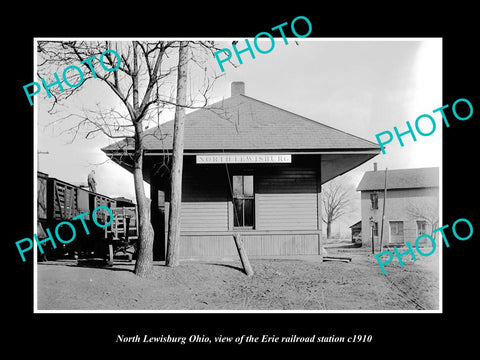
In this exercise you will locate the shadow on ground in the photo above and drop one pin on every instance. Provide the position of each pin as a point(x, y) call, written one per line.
point(227, 266)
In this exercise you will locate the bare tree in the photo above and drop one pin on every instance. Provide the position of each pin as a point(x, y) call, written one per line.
point(177, 161)
point(426, 210)
point(141, 85)
point(336, 200)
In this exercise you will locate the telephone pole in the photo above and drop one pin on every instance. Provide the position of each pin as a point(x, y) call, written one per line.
point(383, 211)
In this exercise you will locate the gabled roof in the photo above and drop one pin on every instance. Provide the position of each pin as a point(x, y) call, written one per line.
point(357, 224)
point(243, 123)
point(400, 179)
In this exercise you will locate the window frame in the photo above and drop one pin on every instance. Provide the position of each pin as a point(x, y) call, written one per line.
point(374, 201)
point(424, 223)
point(375, 228)
point(243, 197)
point(397, 228)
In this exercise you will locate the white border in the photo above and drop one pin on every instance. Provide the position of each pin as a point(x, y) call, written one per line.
point(35, 144)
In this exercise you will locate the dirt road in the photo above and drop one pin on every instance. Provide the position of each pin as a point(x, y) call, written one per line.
point(278, 284)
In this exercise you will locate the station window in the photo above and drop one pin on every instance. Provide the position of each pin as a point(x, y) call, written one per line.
point(243, 201)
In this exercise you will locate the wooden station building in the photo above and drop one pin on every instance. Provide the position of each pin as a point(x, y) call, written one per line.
point(249, 168)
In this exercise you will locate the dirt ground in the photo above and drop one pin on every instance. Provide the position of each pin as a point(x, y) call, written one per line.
point(302, 283)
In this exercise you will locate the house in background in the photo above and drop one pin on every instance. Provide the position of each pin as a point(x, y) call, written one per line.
point(411, 206)
point(356, 232)
point(249, 168)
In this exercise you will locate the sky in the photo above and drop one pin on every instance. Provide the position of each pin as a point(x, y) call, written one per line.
point(362, 87)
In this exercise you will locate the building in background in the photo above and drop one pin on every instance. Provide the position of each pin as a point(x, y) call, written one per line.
point(249, 168)
point(411, 206)
point(356, 232)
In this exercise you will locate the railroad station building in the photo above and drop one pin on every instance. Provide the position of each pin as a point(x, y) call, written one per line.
point(250, 168)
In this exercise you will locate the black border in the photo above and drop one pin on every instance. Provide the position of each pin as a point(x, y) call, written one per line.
point(55, 333)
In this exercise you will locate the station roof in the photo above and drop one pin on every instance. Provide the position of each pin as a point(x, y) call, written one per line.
point(243, 124)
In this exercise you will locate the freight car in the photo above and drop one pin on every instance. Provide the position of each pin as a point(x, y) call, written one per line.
point(59, 201)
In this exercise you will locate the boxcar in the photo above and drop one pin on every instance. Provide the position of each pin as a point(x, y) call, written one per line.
point(59, 201)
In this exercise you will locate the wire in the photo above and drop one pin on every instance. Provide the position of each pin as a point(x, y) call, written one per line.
point(231, 191)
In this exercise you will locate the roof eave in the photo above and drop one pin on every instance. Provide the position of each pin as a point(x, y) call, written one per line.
point(372, 151)
point(398, 188)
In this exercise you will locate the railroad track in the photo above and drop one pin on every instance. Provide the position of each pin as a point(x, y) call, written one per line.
point(405, 295)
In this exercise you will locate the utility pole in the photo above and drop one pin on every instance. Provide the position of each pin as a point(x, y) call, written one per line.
point(383, 211)
point(372, 223)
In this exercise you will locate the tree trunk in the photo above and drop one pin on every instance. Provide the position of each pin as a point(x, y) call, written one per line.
point(329, 229)
point(177, 160)
point(144, 263)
